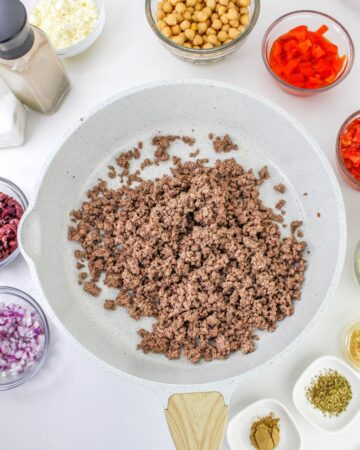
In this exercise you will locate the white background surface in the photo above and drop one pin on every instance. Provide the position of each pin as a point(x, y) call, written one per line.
point(72, 404)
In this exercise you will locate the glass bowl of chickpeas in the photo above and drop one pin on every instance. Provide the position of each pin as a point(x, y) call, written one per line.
point(202, 31)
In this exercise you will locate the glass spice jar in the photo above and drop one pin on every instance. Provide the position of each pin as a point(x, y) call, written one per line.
point(29, 64)
point(350, 344)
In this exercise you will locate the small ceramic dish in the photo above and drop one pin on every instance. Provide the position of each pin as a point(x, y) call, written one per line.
point(315, 416)
point(80, 46)
point(314, 20)
point(238, 432)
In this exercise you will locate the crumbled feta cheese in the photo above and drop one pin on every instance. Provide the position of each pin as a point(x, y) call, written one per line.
point(66, 22)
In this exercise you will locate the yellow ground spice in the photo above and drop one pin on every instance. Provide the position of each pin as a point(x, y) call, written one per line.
point(265, 433)
point(354, 346)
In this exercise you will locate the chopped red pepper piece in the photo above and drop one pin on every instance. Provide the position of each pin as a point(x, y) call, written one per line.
point(350, 148)
point(306, 59)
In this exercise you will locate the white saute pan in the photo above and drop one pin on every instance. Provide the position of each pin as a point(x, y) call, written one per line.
point(266, 135)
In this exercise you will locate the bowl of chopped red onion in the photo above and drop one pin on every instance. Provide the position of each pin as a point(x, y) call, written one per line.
point(24, 332)
point(12, 206)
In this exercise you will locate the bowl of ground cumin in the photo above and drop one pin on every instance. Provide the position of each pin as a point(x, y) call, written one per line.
point(184, 235)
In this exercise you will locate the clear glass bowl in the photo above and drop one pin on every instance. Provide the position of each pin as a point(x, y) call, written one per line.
point(345, 343)
point(10, 295)
point(353, 182)
point(357, 262)
point(201, 56)
point(9, 188)
point(84, 44)
point(313, 19)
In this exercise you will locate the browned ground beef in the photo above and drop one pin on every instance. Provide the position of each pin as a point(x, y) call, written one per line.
point(198, 251)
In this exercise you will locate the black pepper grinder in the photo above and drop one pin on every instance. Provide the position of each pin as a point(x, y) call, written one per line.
point(29, 64)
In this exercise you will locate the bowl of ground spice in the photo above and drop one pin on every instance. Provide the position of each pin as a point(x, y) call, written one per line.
point(263, 425)
point(327, 394)
point(12, 206)
point(350, 344)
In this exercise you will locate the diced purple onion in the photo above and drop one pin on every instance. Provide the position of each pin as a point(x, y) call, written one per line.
point(22, 339)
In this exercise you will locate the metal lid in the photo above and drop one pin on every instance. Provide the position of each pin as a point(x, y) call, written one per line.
point(16, 36)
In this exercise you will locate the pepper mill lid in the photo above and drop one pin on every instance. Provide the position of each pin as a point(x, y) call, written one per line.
point(16, 35)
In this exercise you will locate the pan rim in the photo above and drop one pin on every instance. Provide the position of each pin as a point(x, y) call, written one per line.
point(230, 381)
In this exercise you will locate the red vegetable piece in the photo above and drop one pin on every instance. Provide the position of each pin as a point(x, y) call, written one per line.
point(322, 30)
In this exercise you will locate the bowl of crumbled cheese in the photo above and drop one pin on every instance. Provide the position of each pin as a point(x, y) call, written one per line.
point(72, 26)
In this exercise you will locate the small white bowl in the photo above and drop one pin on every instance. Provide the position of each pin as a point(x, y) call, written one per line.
point(315, 416)
point(84, 44)
point(238, 431)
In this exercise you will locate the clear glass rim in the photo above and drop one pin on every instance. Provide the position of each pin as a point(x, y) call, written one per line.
point(338, 151)
point(77, 47)
point(209, 51)
point(35, 305)
point(343, 75)
point(357, 264)
point(344, 340)
point(18, 193)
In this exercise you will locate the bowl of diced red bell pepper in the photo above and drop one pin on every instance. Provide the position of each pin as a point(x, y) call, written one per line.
point(307, 52)
point(348, 150)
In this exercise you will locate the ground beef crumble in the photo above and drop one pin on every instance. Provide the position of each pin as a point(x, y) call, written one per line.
point(197, 250)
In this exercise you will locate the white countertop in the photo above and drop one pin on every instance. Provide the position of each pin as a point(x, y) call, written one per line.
point(72, 404)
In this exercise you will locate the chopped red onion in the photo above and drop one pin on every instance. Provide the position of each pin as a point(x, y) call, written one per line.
point(22, 339)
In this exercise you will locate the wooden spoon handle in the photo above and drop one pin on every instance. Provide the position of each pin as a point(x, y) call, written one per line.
point(197, 421)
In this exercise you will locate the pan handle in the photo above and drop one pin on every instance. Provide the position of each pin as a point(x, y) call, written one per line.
point(197, 420)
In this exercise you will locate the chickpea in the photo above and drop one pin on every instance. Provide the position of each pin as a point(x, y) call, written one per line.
point(213, 40)
point(207, 46)
point(174, 2)
point(160, 14)
point(191, 9)
point(175, 30)
point(241, 28)
point(224, 19)
point(222, 36)
point(198, 7)
point(166, 31)
point(167, 7)
point(189, 34)
point(198, 40)
point(225, 27)
point(187, 15)
point(210, 31)
point(233, 33)
point(180, 8)
point(193, 26)
point(243, 3)
point(221, 10)
point(234, 23)
point(196, 46)
point(160, 5)
point(224, 2)
point(217, 24)
point(244, 10)
point(191, 2)
point(232, 14)
point(214, 16)
point(228, 40)
point(245, 20)
point(202, 27)
point(161, 25)
point(185, 25)
point(207, 11)
point(170, 20)
point(211, 4)
point(179, 17)
point(202, 17)
point(179, 40)
point(232, 5)
point(187, 44)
